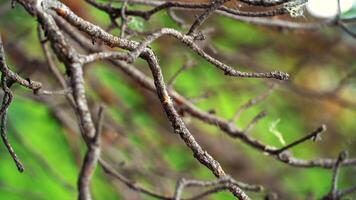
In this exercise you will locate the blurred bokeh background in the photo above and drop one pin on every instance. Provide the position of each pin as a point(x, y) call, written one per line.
point(137, 137)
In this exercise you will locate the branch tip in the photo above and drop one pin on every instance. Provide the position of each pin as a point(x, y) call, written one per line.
point(283, 76)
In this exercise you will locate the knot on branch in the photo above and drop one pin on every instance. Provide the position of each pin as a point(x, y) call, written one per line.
point(285, 156)
point(316, 135)
point(342, 156)
point(35, 86)
point(199, 36)
point(295, 8)
point(279, 75)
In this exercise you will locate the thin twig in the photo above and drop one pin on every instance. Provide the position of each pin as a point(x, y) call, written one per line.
point(333, 193)
point(314, 136)
point(91, 159)
point(205, 15)
point(190, 63)
point(54, 92)
point(252, 102)
point(5, 104)
point(348, 191)
point(123, 19)
point(224, 181)
point(34, 85)
point(254, 121)
point(6, 82)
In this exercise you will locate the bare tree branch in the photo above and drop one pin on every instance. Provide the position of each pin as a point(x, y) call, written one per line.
point(56, 20)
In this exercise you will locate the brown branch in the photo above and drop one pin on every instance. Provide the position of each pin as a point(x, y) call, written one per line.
point(313, 136)
point(95, 31)
point(205, 15)
point(333, 193)
point(265, 3)
point(74, 63)
point(179, 127)
point(248, 17)
point(220, 185)
point(225, 181)
point(3, 127)
point(91, 159)
point(162, 5)
point(123, 19)
point(206, 117)
point(6, 82)
point(252, 103)
point(132, 185)
point(189, 42)
point(71, 59)
point(12, 76)
point(177, 123)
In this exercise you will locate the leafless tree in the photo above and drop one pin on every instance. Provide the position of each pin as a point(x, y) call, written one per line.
point(77, 42)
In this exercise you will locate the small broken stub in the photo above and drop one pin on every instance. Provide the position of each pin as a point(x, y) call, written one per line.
point(61, 12)
point(167, 99)
point(295, 8)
